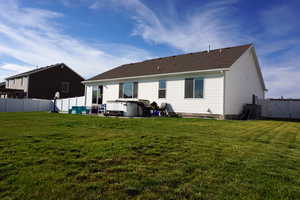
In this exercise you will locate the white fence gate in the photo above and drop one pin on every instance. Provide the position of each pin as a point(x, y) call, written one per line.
point(25, 105)
point(63, 105)
point(280, 108)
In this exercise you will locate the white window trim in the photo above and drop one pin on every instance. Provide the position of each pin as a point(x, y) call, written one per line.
point(97, 94)
point(196, 98)
point(132, 90)
point(162, 89)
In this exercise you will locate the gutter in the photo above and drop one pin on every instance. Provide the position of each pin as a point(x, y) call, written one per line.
point(155, 75)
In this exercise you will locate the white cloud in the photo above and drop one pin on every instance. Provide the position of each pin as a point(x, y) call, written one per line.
point(15, 68)
point(269, 47)
point(8, 69)
point(206, 25)
point(282, 75)
point(283, 81)
point(31, 36)
point(279, 49)
point(281, 19)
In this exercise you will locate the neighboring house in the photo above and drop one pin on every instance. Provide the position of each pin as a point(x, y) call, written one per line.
point(217, 82)
point(43, 83)
point(2, 87)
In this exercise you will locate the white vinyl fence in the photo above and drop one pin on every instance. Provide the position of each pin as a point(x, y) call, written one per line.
point(280, 108)
point(25, 105)
point(63, 105)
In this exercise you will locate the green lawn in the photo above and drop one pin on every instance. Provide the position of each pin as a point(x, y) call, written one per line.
point(57, 156)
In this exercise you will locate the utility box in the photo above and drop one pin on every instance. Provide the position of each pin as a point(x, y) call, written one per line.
point(251, 111)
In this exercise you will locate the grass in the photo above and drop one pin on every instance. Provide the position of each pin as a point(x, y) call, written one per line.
point(57, 156)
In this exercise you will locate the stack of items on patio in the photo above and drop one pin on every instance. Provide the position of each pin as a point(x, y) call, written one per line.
point(139, 108)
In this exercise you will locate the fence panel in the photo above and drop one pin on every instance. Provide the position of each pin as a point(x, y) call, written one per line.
point(2, 105)
point(14, 105)
point(280, 108)
point(63, 105)
point(295, 108)
point(24, 105)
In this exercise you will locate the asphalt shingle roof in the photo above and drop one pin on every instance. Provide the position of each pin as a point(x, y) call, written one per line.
point(214, 59)
point(35, 71)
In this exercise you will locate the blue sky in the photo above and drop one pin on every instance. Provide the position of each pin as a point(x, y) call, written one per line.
point(92, 36)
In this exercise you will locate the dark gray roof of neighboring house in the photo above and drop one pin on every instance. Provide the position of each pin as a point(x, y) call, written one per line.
point(39, 70)
point(214, 59)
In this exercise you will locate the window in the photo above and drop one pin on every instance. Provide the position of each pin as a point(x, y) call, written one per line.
point(21, 81)
point(128, 90)
point(94, 94)
point(100, 94)
point(97, 94)
point(193, 88)
point(162, 89)
point(14, 81)
point(65, 87)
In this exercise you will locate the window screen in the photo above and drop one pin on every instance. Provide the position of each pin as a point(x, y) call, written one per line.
point(135, 90)
point(198, 88)
point(189, 87)
point(128, 90)
point(162, 89)
point(94, 94)
point(194, 88)
point(120, 90)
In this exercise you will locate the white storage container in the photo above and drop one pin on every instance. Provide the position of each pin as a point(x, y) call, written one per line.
point(129, 108)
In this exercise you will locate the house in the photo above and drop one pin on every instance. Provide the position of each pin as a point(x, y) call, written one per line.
point(7, 92)
point(2, 87)
point(216, 83)
point(43, 83)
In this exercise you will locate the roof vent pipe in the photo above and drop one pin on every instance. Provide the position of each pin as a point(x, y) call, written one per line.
point(208, 48)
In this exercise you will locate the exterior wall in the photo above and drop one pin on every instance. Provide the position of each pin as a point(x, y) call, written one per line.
point(241, 82)
point(148, 90)
point(44, 84)
point(17, 83)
